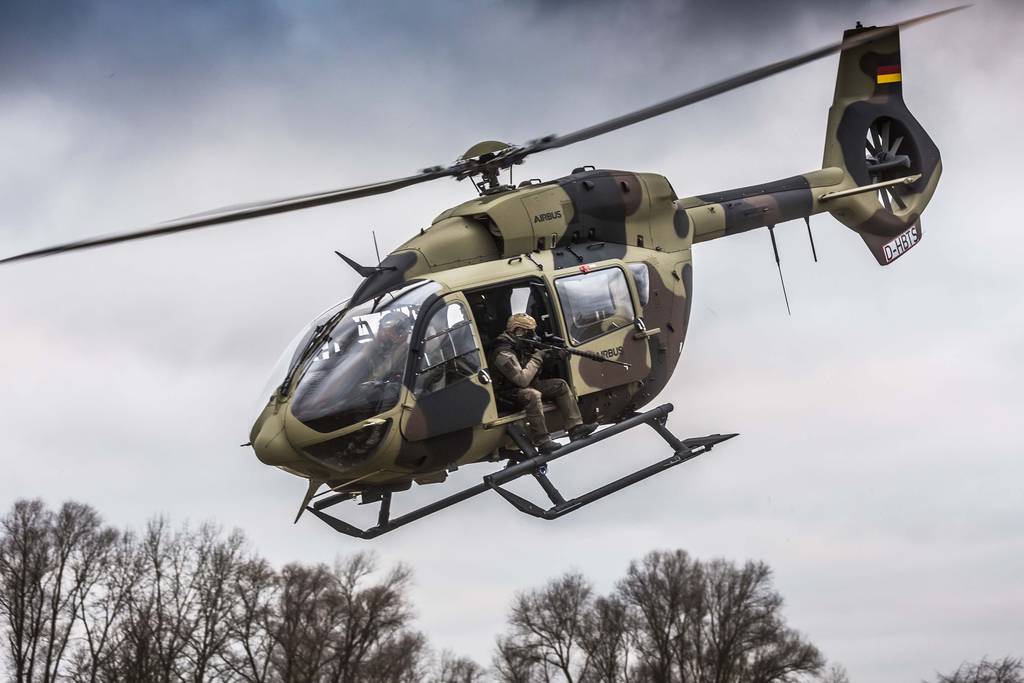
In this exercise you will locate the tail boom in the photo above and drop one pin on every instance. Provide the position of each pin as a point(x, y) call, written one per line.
point(880, 167)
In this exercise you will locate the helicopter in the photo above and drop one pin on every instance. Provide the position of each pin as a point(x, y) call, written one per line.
point(601, 259)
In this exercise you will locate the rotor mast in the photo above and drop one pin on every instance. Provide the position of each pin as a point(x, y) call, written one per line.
point(487, 160)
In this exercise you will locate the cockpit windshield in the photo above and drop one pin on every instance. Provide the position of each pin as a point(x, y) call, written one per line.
point(290, 356)
point(357, 371)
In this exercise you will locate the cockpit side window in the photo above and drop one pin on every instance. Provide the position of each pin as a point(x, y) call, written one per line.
point(449, 351)
point(595, 303)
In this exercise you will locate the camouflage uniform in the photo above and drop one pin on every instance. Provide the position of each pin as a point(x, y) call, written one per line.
point(520, 370)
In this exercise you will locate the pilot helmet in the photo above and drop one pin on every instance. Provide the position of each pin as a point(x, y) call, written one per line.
point(394, 325)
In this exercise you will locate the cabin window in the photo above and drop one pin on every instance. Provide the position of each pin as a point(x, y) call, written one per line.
point(449, 352)
point(595, 303)
point(642, 278)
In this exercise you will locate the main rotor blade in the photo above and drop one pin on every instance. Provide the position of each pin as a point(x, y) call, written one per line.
point(725, 85)
point(460, 169)
point(230, 214)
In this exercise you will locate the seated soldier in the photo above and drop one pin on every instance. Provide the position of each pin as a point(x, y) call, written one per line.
point(519, 365)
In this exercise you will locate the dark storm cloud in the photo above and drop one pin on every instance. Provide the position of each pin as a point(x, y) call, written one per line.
point(681, 13)
point(173, 51)
point(44, 41)
point(678, 25)
point(148, 37)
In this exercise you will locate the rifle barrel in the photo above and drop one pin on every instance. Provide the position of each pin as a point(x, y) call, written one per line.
point(576, 352)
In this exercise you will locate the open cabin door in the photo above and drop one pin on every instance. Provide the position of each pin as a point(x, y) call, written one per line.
point(450, 387)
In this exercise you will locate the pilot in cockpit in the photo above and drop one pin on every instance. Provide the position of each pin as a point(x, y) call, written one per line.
point(388, 361)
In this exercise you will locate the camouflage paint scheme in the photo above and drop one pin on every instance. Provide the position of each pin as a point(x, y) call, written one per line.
point(594, 219)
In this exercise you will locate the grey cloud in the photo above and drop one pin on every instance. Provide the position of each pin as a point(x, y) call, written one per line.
point(878, 465)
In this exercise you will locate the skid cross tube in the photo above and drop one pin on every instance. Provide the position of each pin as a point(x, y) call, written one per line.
point(535, 464)
point(392, 524)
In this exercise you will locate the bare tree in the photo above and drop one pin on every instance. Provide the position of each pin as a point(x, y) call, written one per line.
point(158, 623)
point(176, 603)
point(307, 611)
point(50, 563)
point(252, 623)
point(84, 602)
point(671, 618)
point(25, 552)
point(374, 615)
point(605, 638)
point(79, 546)
point(712, 622)
point(454, 669)
point(103, 606)
point(835, 674)
point(744, 635)
point(217, 561)
point(342, 626)
point(399, 659)
point(514, 662)
point(1005, 670)
point(665, 592)
point(549, 623)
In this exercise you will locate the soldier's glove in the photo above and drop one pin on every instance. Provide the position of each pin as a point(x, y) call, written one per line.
point(539, 355)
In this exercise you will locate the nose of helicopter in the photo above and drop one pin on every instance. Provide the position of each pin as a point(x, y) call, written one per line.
point(275, 443)
point(269, 440)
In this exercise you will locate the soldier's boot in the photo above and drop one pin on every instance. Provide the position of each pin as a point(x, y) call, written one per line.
point(582, 431)
point(548, 445)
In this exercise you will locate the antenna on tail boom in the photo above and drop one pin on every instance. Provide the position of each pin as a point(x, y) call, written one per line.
point(810, 236)
point(778, 263)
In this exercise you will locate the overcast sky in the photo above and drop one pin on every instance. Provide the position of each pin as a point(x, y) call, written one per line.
point(880, 470)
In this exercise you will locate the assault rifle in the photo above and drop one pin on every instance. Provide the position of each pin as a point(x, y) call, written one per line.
point(553, 343)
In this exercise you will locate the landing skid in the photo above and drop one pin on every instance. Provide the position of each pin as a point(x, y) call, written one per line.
point(535, 464)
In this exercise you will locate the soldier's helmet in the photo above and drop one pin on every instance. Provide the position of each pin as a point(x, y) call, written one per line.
point(520, 321)
point(394, 326)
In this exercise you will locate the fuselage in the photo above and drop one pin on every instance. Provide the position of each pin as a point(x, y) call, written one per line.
point(601, 252)
point(601, 258)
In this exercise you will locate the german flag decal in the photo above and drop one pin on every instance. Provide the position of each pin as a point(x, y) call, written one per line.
point(889, 74)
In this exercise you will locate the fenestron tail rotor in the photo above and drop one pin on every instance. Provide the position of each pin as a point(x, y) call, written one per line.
point(488, 159)
point(888, 158)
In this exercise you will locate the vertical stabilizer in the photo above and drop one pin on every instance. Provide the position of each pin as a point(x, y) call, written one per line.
point(875, 140)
